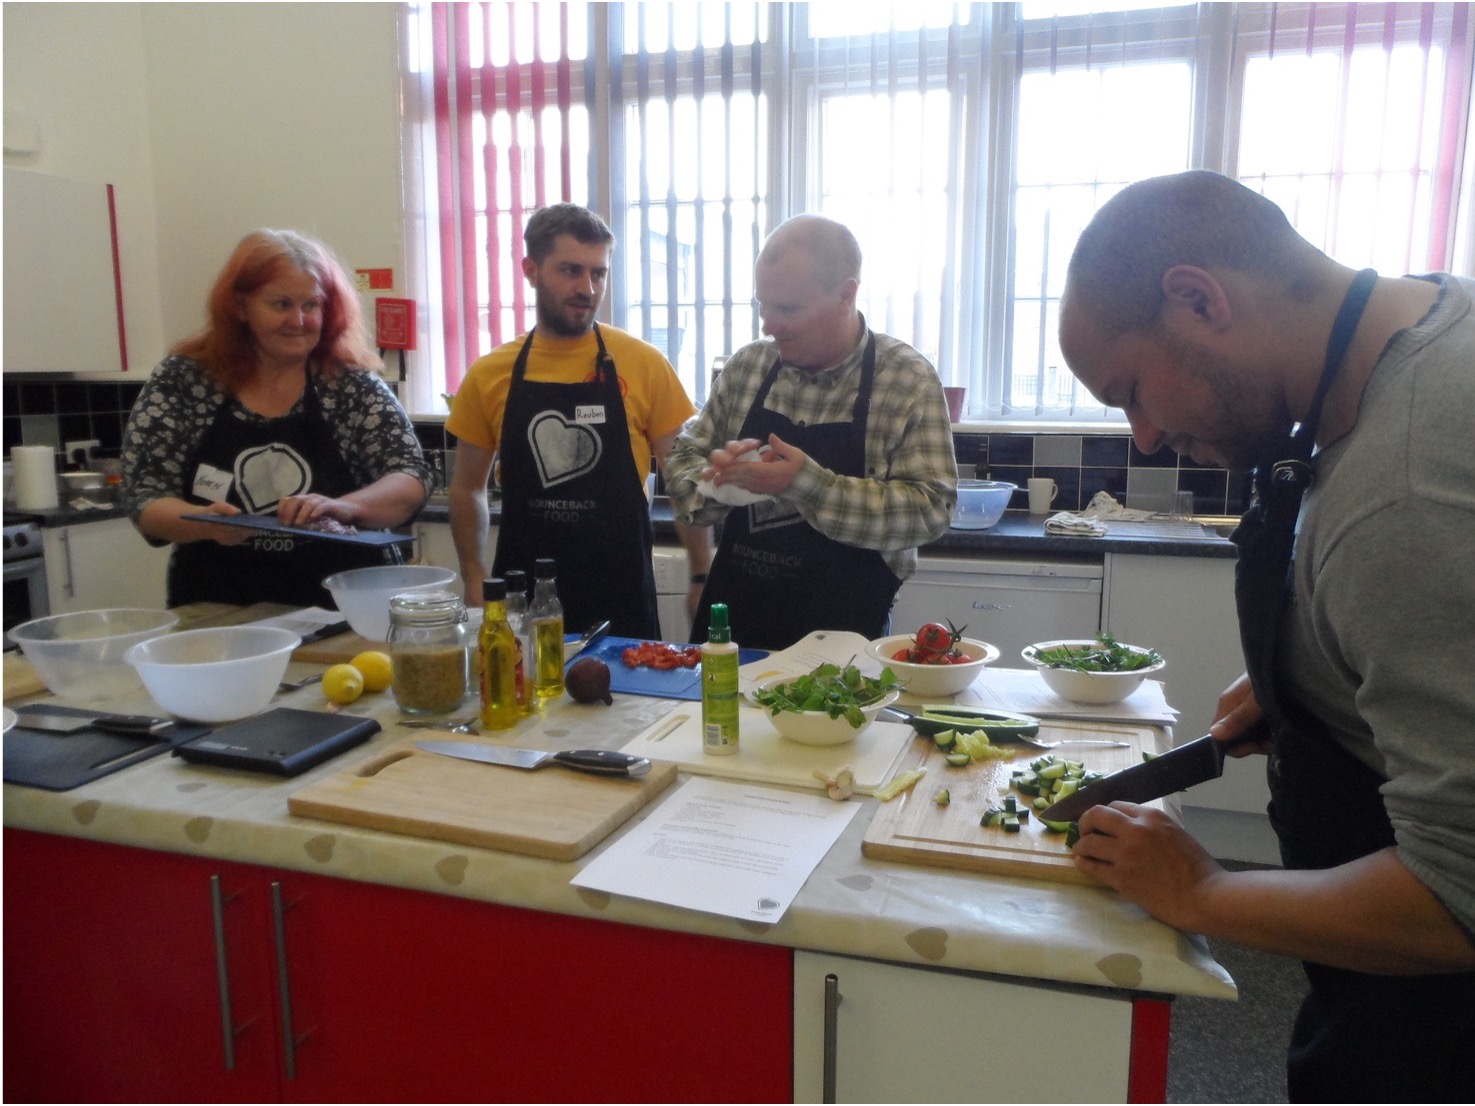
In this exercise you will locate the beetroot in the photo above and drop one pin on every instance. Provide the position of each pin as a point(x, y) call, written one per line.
point(587, 681)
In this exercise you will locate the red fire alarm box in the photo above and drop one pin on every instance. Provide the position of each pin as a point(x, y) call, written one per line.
point(394, 323)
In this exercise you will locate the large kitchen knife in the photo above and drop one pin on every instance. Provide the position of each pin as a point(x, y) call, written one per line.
point(131, 725)
point(601, 762)
point(1174, 770)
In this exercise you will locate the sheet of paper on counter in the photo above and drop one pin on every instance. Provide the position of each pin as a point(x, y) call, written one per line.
point(1022, 691)
point(725, 848)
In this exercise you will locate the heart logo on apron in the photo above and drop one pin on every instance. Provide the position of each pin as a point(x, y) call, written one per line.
point(562, 449)
point(267, 474)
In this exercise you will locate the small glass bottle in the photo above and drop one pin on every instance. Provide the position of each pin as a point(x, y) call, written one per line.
point(428, 643)
point(545, 615)
point(498, 649)
point(517, 618)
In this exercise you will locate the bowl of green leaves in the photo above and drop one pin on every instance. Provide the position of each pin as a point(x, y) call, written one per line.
point(830, 705)
point(1096, 672)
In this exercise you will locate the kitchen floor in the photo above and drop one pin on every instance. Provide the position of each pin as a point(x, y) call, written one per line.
point(1235, 1051)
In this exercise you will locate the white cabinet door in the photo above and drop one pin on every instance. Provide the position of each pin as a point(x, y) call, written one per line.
point(93, 565)
point(905, 1034)
point(1184, 608)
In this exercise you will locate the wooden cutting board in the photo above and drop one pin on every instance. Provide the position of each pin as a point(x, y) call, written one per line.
point(549, 812)
point(913, 828)
point(765, 756)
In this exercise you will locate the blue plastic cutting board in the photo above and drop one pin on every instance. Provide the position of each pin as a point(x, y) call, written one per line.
point(669, 683)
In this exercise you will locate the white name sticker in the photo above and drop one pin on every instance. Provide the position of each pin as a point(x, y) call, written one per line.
point(211, 483)
point(591, 414)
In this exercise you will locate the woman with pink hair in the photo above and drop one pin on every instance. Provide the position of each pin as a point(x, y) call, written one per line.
point(275, 407)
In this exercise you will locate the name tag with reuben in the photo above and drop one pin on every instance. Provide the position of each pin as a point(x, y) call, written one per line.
point(592, 413)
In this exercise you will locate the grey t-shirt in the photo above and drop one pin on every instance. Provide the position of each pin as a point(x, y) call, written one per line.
point(1380, 643)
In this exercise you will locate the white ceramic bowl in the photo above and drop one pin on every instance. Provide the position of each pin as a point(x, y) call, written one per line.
point(217, 674)
point(80, 655)
point(363, 594)
point(932, 680)
point(981, 503)
point(1095, 688)
point(815, 727)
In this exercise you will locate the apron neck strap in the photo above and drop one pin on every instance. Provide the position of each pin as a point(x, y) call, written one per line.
point(1344, 326)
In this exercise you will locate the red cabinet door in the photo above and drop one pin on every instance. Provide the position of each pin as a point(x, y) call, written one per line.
point(111, 977)
point(112, 992)
point(401, 995)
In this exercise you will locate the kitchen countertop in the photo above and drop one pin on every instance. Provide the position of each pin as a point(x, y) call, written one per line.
point(1017, 533)
point(851, 905)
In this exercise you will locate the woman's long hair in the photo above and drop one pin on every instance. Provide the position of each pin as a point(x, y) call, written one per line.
point(226, 348)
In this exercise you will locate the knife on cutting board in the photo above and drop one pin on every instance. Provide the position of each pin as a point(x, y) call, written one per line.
point(133, 725)
point(600, 762)
point(1195, 762)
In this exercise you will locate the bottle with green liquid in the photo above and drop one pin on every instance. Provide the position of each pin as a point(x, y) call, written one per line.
point(719, 686)
point(498, 648)
point(545, 616)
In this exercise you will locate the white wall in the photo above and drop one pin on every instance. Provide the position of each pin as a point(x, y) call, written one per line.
point(212, 120)
point(76, 71)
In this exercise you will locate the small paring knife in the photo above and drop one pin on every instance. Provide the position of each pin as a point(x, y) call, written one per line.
point(600, 762)
point(131, 725)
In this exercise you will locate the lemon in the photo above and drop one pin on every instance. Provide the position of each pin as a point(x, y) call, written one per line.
point(375, 668)
point(343, 683)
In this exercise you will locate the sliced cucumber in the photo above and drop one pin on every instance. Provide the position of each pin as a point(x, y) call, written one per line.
point(995, 723)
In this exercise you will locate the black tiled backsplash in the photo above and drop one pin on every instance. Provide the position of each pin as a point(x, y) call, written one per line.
point(1081, 465)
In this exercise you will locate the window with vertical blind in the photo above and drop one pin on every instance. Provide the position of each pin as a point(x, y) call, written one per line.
point(965, 144)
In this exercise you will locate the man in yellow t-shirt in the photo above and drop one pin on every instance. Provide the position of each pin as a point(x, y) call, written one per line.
point(572, 413)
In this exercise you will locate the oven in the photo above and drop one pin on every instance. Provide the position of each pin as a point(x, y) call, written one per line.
point(25, 575)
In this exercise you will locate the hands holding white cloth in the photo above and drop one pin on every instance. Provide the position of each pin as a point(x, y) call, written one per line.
point(731, 494)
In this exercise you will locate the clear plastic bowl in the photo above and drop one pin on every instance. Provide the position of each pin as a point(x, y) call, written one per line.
point(80, 655)
point(362, 595)
point(217, 674)
point(981, 503)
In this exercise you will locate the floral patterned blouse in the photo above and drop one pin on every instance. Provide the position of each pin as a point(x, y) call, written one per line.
point(371, 430)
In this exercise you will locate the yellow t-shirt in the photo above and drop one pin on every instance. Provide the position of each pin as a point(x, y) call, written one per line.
point(655, 401)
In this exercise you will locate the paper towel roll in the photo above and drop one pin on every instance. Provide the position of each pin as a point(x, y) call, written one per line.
point(34, 469)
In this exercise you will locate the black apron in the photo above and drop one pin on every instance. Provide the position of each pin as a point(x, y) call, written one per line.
point(264, 462)
point(1358, 1037)
point(571, 491)
point(779, 576)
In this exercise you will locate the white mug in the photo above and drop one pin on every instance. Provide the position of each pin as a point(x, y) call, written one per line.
point(1042, 493)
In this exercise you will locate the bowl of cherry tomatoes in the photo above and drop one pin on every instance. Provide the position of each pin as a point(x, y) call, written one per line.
point(936, 660)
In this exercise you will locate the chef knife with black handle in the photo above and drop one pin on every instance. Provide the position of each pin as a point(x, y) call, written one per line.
point(131, 725)
point(1199, 760)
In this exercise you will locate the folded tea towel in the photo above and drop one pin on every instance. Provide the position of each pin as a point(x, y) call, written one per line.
point(731, 494)
point(1079, 526)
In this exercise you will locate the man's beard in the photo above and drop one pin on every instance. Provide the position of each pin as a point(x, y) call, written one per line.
point(1254, 430)
point(552, 318)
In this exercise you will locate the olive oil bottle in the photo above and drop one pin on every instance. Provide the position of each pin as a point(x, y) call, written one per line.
point(545, 616)
point(517, 618)
point(719, 686)
point(498, 649)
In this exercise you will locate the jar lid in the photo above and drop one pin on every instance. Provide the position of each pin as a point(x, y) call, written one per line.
point(427, 607)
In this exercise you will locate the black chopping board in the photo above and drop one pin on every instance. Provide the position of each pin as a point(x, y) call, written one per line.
point(273, 525)
point(667, 683)
point(60, 762)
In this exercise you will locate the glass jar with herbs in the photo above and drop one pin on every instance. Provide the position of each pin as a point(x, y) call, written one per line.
point(428, 645)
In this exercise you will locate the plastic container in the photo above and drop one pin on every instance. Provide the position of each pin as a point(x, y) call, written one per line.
point(719, 686)
point(981, 503)
point(214, 675)
point(80, 655)
point(428, 647)
point(363, 594)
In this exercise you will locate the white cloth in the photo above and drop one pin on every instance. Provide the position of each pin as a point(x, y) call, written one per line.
point(731, 494)
point(1079, 526)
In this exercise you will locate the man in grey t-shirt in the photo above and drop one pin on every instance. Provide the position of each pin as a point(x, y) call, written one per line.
point(1192, 304)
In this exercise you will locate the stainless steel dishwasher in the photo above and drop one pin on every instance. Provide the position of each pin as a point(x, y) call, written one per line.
point(1008, 603)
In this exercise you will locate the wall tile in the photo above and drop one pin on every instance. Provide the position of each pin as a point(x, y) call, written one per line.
point(1011, 449)
point(1105, 452)
point(1057, 450)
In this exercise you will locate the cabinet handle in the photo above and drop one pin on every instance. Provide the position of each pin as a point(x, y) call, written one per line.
point(832, 1011)
point(222, 971)
point(284, 985)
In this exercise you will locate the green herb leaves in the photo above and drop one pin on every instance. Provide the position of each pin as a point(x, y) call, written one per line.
point(1107, 655)
point(835, 690)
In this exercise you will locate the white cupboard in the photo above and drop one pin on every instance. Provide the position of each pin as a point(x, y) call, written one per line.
point(93, 565)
